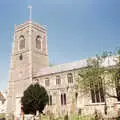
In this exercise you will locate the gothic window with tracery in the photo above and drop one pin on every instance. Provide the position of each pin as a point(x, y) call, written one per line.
point(38, 42)
point(97, 92)
point(70, 77)
point(22, 42)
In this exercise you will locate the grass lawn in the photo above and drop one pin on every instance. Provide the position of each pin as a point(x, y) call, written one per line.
point(76, 117)
point(2, 115)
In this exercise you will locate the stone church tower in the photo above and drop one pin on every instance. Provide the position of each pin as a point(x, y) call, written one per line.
point(29, 55)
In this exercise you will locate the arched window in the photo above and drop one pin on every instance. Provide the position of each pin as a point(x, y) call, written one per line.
point(22, 42)
point(76, 96)
point(20, 57)
point(63, 99)
point(70, 77)
point(58, 80)
point(38, 42)
point(50, 100)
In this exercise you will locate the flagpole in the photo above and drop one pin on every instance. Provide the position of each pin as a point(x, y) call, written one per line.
point(30, 15)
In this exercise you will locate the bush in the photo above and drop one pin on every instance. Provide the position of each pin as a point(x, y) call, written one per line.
point(35, 99)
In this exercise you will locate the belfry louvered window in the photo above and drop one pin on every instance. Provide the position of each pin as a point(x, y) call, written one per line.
point(38, 42)
point(22, 42)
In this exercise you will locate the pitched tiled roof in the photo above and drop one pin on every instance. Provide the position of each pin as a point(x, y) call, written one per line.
point(73, 65)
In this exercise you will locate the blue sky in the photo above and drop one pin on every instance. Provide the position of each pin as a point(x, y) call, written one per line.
point(77, 29)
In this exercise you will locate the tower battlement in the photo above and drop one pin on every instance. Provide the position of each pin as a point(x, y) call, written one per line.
point(32, 24)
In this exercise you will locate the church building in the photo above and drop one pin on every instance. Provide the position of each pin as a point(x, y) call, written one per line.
point(29, 63)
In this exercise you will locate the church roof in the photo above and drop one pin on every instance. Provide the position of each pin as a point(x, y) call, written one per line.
point(109, 61)
point(62, 67)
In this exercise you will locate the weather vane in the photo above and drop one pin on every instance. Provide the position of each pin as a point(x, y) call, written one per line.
point(30, 16)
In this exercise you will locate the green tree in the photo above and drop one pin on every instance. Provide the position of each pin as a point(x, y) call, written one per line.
point(51, 65)
point(92, 79)
point(95, 73)
point(115, 76)
point(91, 74)
point(34, 99)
